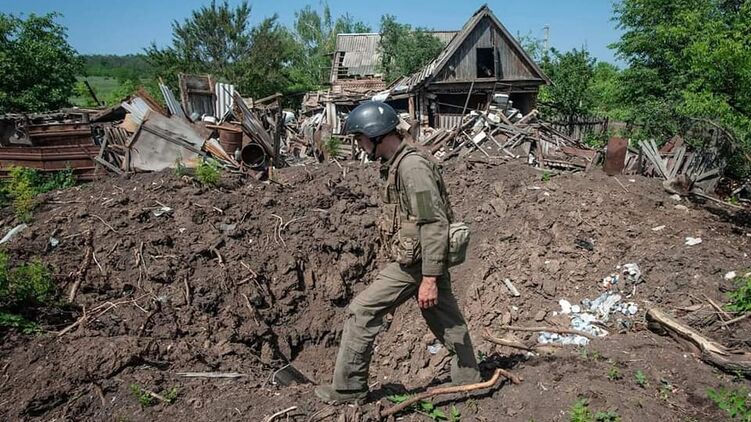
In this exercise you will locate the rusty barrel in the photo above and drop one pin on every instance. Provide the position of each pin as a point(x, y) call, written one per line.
point(231, 139)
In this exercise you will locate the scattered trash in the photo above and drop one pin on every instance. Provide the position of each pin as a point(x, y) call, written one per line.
point(681, 207)
point(565, 306)
point(658, 228)
point(693, 241)
point(434, 348)
point(161, 211)
point(632, 273)
point(676, 198)
point(12, 233)
point(730, 276)
point(54, 242)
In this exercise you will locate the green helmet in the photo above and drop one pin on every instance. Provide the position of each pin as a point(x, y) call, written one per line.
point(372, 119)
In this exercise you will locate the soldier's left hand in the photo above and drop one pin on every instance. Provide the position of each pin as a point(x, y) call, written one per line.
point(427, 294)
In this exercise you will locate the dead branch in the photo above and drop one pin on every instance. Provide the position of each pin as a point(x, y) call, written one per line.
point(452, 390)
point(734, 320)
point(82, 269)
point(504, 342)
point(550, 330)
point(211, 374)
point(280, 413)
point(710, 352)
point(105, 223)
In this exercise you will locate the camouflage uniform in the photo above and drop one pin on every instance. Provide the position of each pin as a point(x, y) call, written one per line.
point(414, 228)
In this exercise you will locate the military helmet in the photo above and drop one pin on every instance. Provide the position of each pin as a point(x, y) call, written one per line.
point(372, 119)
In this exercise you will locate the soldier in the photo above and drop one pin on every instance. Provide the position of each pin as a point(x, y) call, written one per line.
point(415, 233)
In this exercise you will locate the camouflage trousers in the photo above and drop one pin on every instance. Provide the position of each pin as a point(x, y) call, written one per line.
point(394, 285)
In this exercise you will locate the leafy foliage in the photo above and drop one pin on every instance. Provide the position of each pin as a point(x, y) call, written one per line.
point(144, 398)
point(332, 147)
point(316, 34)
point(734, 402)
point(26, 183)
point(580, 412)
point(37, 64)
point(614, 374)
point(740, 298)
point(640, 378)
point(426, 407)
point(208, 173)
point(571, 95)
point(404, 49)
point(688, 60)
point(22, 288)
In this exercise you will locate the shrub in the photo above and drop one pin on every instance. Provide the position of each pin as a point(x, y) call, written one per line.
point(740, 298)
point(208, 173)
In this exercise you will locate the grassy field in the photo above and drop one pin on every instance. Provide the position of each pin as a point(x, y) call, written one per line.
point(103, 86)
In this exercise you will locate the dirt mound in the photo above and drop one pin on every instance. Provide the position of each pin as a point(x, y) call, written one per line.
point(250, 276)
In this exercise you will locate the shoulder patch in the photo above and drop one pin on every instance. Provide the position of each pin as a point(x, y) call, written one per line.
point(424, 206)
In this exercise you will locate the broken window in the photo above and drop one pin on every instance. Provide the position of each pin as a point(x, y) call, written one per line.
point(485, 63)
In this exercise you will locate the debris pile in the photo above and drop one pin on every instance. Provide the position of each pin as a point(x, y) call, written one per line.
point(139, 134)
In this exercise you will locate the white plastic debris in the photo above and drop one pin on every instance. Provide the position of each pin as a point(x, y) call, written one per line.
point(565, 306)
point(676, 198)
point(162, 211)
point(576, 309)
point(434, 348)
point(13, 232)
point(632, 273)
point(693, 241)
point(658, 228)
point(54, 241)
point(603, 305)
point(730, 276)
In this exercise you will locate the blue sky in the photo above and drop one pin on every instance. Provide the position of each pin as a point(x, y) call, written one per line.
point(128, 27)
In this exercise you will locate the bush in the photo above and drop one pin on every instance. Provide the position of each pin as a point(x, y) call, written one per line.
point(740, 298)
point(26, 183)
point(208, 173)
point(22, 289)
point(734, 402)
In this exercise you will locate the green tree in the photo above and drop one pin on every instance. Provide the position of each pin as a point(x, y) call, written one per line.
point(689, 61)
point(570, 95)
point(316, 32)
point(404, 50)
point(605, 90)
point(219, 39)
point(37, 64)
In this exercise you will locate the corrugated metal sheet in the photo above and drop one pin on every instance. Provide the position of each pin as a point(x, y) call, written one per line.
point(172, 104)
point(137, 109)
point(224, 93)
point(449, 121)
point(359, 56)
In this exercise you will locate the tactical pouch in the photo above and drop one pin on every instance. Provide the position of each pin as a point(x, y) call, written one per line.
point(458, 243)
point(406, 249)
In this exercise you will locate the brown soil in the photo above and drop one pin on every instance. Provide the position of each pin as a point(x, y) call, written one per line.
point(251, 275)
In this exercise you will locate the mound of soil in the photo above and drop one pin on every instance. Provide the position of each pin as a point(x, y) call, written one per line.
point(250, 276)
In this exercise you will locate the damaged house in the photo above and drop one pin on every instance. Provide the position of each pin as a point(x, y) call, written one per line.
point(481, 60)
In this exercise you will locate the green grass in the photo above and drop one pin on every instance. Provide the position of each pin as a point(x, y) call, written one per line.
point(614, 374)
point(332, 147)
point(103, 86)
point(734, 402)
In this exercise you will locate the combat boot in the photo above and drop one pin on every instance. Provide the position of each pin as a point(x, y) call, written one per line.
point(330, 395)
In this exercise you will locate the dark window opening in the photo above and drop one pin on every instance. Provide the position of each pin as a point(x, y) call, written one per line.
point(485, 63)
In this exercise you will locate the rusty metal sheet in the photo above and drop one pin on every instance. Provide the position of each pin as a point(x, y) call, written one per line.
point(51, 158)
point(615, 160)
point(60, 134)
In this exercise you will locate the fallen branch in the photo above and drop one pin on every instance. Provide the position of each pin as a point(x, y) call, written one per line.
point(105, 223)
point(83, 268)
point(548, 348)
point(452, 390)
point(734, 320)
point(710, 352)
point(211, 374)
point(550, 330)
point(280, 413)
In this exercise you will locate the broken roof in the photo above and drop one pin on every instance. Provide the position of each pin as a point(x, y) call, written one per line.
point(357, 54)
point(432, 69)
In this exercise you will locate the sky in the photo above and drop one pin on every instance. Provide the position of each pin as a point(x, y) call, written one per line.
point(97, 27)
